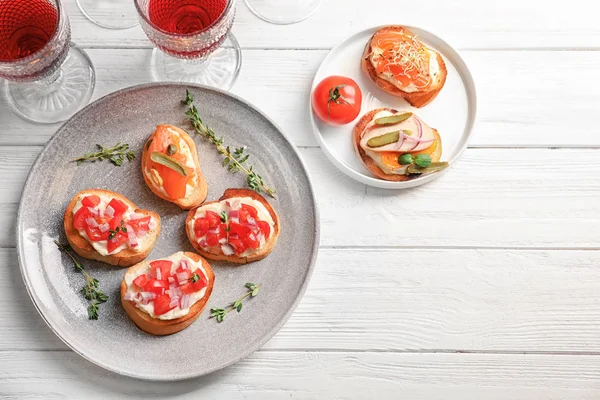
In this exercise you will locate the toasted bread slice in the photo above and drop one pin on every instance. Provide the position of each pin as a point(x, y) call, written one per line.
point(368, 161)
point(159, 327)
point(82, 246)
point(261, 253)
point(200, 191)
point(417, 99)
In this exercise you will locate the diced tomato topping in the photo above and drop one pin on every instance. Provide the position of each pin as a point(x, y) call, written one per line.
point(140, 281)
point(238, 229)
point(212, 239)
point(187, 288)
point(213, 219)
point(90, 201)
point(250, 210)
point(115, 221)
point(238, 245)
point(139, 224)
point(265, 228)
point(223, 231)
point(243, 216)
point(162, 304)
point(94, 234)
point(164, 266)
point(115, 242)
point(201, 227)
point(251, 241)
point(118, 206)
point(200, 283)
point(183, 276)
point(156, 286)
point(79, 219)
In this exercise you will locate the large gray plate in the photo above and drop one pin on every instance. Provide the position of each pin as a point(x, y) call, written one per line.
point(113, 341)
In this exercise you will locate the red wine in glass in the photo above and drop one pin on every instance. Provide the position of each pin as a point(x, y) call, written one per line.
point(186, 17)
point(26, 26)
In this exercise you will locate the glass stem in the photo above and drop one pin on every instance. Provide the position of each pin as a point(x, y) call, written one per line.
point(49, 83)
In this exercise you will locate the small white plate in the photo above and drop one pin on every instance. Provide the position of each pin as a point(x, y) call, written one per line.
point(452, 113)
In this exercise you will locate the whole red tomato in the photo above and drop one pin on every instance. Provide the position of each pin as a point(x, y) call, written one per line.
point(337, 100)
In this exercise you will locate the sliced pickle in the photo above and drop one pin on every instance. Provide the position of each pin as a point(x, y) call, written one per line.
point(433, 167)
point(168, 162)
point(393, 119)
point(388, 138)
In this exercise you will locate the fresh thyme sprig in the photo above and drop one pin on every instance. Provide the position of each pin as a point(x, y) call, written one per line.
point(115, 155)
point(235, 160)
point(221, 313)
point(91, 289)
point(118, 229)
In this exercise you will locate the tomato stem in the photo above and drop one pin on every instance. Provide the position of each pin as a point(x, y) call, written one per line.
point(336, 97)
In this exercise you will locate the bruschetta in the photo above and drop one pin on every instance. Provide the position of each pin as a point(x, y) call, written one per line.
point(171, 167)
point(391, 145)
point(240, 227)
point(165, 296)
point(403, 66)
point(106, 226)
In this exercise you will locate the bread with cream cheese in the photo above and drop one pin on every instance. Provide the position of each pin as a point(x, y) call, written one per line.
point(160, 327)
point(82, 246)
point(417, 98)
point(261, 253)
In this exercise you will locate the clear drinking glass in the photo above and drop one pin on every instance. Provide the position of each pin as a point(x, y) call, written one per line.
point(193, 40)
point(47, 79)
point(110, 14)
point(283, 12)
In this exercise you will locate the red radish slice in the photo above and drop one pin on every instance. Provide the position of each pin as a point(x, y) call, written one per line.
point(91, 222)
point(109, 212)
point(142, 233)
point(131, 237)
point(420, 128)
point(184, 265)
point(227, 249)
point(129, 296)
point(174, 302)
point(185, 302)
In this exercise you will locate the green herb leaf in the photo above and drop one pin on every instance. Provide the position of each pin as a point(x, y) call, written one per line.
point(116, 155)
point(220, 313)
point(235, 161)
point(90, 290)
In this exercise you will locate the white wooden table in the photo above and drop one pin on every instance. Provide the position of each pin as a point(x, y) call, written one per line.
point(498, 295)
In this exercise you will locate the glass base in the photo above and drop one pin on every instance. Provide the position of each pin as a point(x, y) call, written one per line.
point(219, 69)
point(283, 12)
point(58, 97)
point(110, 14)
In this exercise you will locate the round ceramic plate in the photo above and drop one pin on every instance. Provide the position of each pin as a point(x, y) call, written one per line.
point(113, 341)
point(452, 113)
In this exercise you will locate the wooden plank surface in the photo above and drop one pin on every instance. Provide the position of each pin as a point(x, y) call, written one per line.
point(407, 300)
point(491, 198)
point(481, 285)
point(278, 82)
point(463, 23)
point(302, 376)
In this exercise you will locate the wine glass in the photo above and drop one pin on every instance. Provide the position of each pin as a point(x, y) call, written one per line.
point(194, 40)
point(47, 78)
point(283, 12)
point(110, 14)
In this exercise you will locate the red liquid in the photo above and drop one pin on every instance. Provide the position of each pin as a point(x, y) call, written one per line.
point(185, 16)
point(26, 26)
